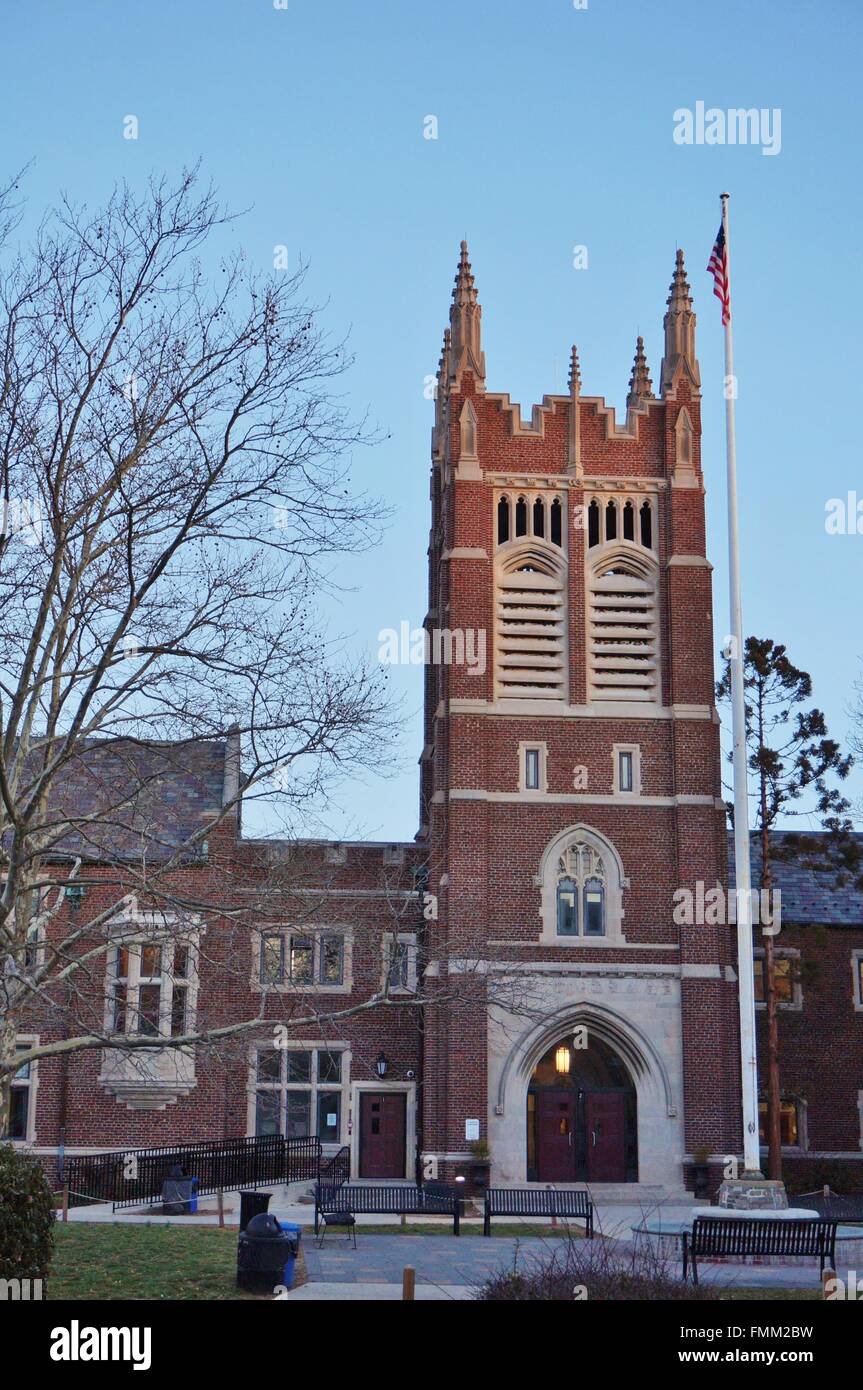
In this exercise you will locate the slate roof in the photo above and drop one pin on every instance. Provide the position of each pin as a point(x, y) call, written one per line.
point(808, 897)
point(142, 797)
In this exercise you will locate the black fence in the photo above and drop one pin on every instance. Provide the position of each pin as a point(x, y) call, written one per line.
point(336, 1171)
point(134, 1177)
point(835, 1206)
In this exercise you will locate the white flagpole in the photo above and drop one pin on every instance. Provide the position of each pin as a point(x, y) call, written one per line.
point(745, 967)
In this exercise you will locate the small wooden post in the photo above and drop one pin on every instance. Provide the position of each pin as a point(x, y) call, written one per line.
point(220, 1200)
point(827, 1277)
point(66, 1202)
point(409, 1279)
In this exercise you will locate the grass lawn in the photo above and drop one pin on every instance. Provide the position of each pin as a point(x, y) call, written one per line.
point(140, 1262)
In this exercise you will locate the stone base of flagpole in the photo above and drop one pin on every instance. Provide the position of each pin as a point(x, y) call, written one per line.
point(752, 1192)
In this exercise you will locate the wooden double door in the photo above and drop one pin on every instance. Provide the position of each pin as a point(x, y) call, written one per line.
point(597, 1145)
point(383, 1134)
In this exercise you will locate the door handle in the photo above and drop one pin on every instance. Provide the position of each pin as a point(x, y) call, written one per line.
point(593, 1137)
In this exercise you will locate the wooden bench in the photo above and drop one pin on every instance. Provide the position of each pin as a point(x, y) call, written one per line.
point(355, 1198)
point(715, 1236)
point(535, 1201)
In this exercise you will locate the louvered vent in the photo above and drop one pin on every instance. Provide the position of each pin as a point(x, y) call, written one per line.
point(623, 635)
point(531, 625)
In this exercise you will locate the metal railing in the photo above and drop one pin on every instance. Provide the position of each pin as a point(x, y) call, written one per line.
point(336, 1171)
point(134, 1177)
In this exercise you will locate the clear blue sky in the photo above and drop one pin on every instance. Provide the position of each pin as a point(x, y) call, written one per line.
point(555, 129)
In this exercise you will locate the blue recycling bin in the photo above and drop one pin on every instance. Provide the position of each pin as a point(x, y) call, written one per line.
point(193, 1196)
point(293, 1230)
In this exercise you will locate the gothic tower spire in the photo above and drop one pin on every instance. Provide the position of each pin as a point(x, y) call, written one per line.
point(679, 326)
point(465, 318)
point(574, 441)
point(640, 384)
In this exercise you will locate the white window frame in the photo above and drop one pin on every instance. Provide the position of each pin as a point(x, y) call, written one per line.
point(857, 985)
point(313, 1087)
point(133, 945)
point(795, 1004)
point(409, 941)
point(315, 936)
point(541, 749)
point(32, 1085)
point(634, 750)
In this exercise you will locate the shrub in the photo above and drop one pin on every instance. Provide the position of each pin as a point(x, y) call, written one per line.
point(811, 1174)
point(605, 1271)
point(26, 1217)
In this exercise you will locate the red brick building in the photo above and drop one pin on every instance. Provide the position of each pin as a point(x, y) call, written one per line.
point(534, 990)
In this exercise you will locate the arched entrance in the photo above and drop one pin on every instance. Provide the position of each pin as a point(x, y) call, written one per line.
point(582, 1121)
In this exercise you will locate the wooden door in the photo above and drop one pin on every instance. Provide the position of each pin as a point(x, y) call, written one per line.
point(382, 1134)
point(555, 1136)
point(606, 1136)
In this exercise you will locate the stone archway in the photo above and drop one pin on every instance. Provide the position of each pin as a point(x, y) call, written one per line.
point(632, 1022)
point(582, 1114)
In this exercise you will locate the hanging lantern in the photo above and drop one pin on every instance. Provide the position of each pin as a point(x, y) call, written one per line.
point(562, 1060)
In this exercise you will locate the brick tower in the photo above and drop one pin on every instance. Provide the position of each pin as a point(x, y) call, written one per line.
point(571, 779)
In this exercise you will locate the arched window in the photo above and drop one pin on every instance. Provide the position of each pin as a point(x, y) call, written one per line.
point(503, 521)
point(611, 521)
point(582, 882)
point(581, 879)
point(556, 522)
point(629, 522)
point(646, 526)
point(521, 517)
point(539, 517)
point(567, 907)
point(593, 524)
point(593, 907)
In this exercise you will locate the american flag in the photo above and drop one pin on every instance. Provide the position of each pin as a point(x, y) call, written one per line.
point(718, 265)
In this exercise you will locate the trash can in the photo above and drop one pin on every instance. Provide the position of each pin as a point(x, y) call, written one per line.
point(252, 1204)
point(264, 1251)
point(179, 1192)
point(293, 1231)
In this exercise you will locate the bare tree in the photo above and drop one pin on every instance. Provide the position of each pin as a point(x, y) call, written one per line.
point(174, 471)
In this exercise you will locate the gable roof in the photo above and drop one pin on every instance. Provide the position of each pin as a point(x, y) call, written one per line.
point(120, 799)
point(809, 898)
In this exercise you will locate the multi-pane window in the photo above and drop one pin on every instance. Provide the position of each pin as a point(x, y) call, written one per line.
point(783, 974)
point(400, 971)
point(20, 1100)
point(581, 892)
point(288, 958)
point(301, 1092)
point(149, 988)
point(538, 515)
point(789, 1123)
